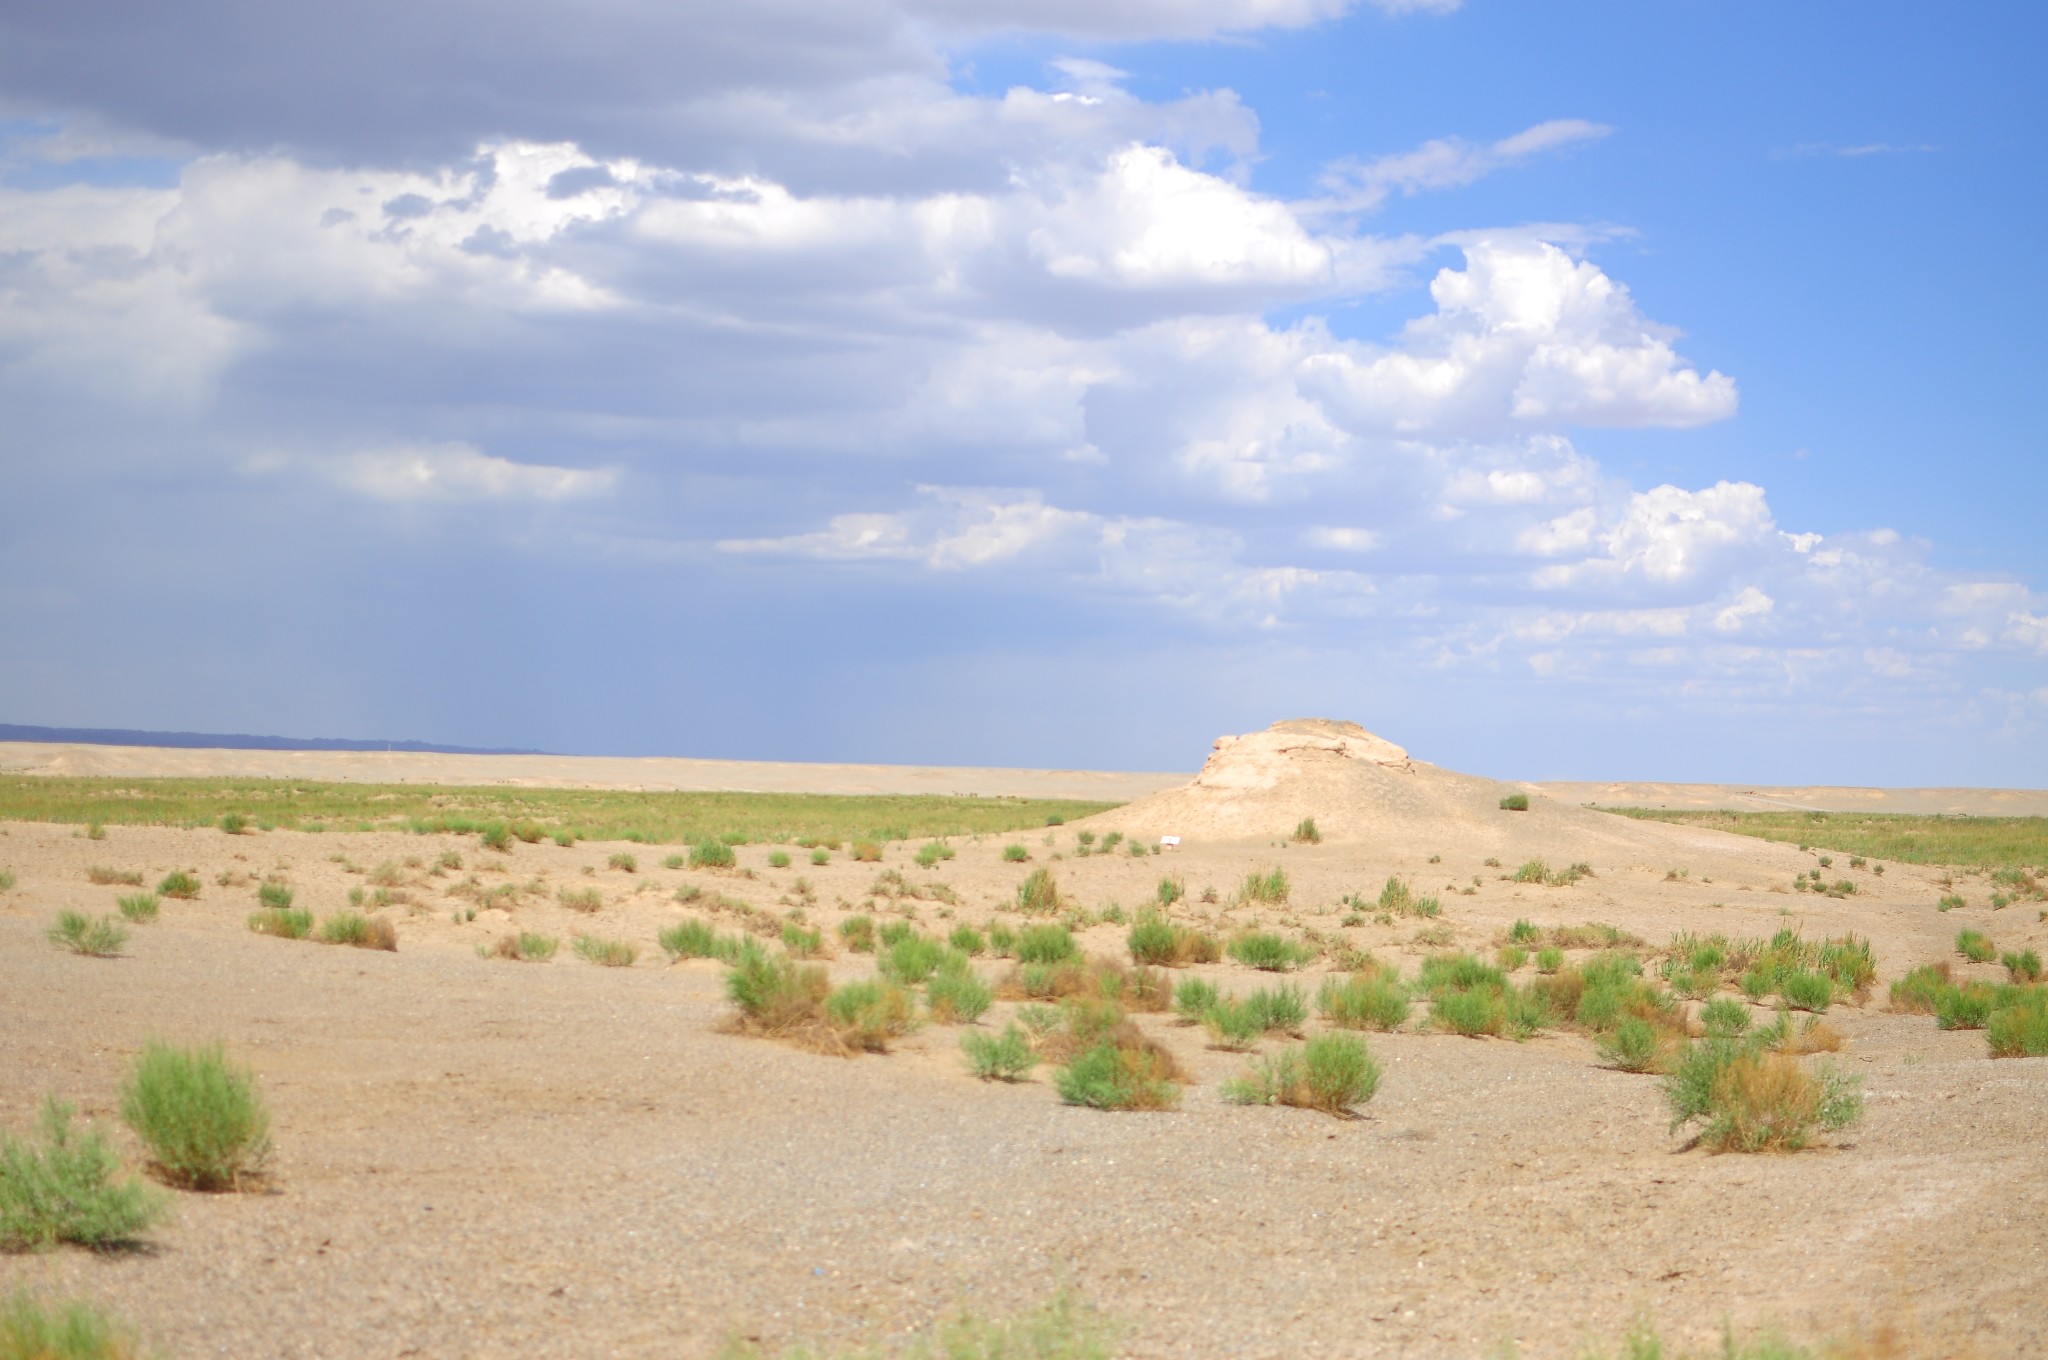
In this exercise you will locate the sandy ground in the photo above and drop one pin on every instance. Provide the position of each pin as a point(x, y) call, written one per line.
point(479, 1158)
point(760, 776)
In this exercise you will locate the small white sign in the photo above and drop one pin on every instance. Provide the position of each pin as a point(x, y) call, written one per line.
point(1170, 842)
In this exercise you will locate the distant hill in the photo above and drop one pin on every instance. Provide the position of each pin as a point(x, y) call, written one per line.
point(121, 736)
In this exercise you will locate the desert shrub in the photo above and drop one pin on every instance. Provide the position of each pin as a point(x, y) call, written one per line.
point(1002, 940)
point(1510, 957)
point(1270, 887)
point(1468, 1010)
point(1724, 1016)
point(140, 908)
point(285, 924)
point(1532, 871)
point(1331, 1072)
point(1549, 959)
point(99, 937)
point(866, 852)
point(778, 859)
point(1773, 1104)
point(1633, 1045)
point(1039, 894)
point(77, 1331)
point(1368, 999)
point(200, 1116)
point(234, 823)
point(276, 895)
point(623, 861)
point(1974, 946)
point(693, 939)
point(1917, 990)
point(66, 1190)
point(178, 883)
point(1966, 1007)
point(857, 933)
point(1515, 802)
point(1269, 952)
point(667, 862)
point(606, 953)
point(585, 900)
point(7, 880)
point(712, 854)
point(1193, 997)
point(956, 994)
point(2020, 1029)
point(526, 947)
point(803, 942)
point(1807, 991)
point(999, 1057)
point(910, 960)
point(776, 995)
point(2024, 966)
point(1305, 831)
point(1952, 902)
point(864, 1016)
point(104, 877)
point(1156, 941)
point(1171, 890)
point(967, 940)
point(1849, 961)
point(821, 855)
point(1046, 944)
point(1239, 1022)
point(1524, 932)
point(932, 852)
point(363, 932)
point(1122, 1072)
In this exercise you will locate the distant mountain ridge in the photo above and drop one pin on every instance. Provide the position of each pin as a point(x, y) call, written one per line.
point(229, 741)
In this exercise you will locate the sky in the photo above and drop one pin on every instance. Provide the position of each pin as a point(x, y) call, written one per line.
point(1572, 389)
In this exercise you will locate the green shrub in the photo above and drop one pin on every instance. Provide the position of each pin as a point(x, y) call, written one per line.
point(1532, 871)
point(1365, 1000)
point(200, 1116)
point(1171, 890)
point(968, 940)
point(1510, 957)
point(1331, 1072)
point(1952, 902)
point(1472, 1010)
point(1270, 887)
point(363, 932)
point(1918, 990)
point(866, 1015)
point(179, 884)
point(956, 995)
point(1772, 1104)
point(66, 1190)
point(274, 895)
point(526, 947)
point(1633, 1045)
point(687, 940)
point(1305, 831)
point(100, 937)
point(999, 1057)
point(2024, 966)
point(858, 934)
point(140, 908)
point(778, 859)
point(1193, 998)
point(1549, 959)
point(895, 932)
point(932, 852)
point(1725, 1016)
point(1966, 1007)
point(234, 823)
point(1002, 941)
point(1973, 945)
point(1267, 951)
point(606, 953)
point(496, 837)
point(1807, 991)
point(1115, 1075)
point(1162, 943)
point(1515, 802)
point(1524, 932)
point(7, 880)
point(77, 1331)
point(910, 960)
point(1039, 894)
point(2020, 1030)
point(803, 942)
point(286, 925)
point(712, 854)
point(1015, 853)
point(1046, 944)
point(821, 855)
point(776, 995)
point(624, 862)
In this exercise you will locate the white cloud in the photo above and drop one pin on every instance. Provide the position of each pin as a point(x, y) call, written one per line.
point(462, 472)
point(1446, 163)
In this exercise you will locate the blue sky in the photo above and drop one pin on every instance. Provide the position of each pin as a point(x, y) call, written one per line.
point(1564, 390)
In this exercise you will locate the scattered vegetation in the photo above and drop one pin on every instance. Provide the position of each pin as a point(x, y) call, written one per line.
point(606, 953)
point(2010, 843)
point(76, 1331)
point(1973, 945)
point(99, 937)
point(1269, 888)
point(1061, 1330)
point(1332, 1072)
point(585, 900)
point(68, 1189)
point(200, 1116)
point(781, 998)
point(282, 922)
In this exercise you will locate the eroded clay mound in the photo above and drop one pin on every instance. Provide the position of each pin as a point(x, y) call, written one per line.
point(1357, 787)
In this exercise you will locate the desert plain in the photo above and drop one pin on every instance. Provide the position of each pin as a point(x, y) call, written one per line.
point(480, 1157)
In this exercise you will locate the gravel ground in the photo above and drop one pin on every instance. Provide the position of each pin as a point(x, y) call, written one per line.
point(478, 1158)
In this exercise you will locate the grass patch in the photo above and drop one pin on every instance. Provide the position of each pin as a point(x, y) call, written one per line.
point(2020, 1030)
point(1236, 1023)
point(274, 895)
point(1974, 946)
point(585, 900)
point(1369, 999)
point(1980, 842)
point(108, 878)
point(178, 884)
point(606, 953)
point(1157, 941)
point(624, 862)
point(659, 818)
point(68, 1189)
point(1039, 894)
point(525, 947)
point(141, 908)
point(780, 998)
point(75, 1331)
point(1270, 887)
point(199, 1115)
point(99, 937)
point(1061, 1330)
point(1333, 1073)
point(360, 931)
point(1269, 952)
point(282, 922)
point(1306, 833)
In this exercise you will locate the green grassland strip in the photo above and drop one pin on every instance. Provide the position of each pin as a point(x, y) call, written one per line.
point(1976, 842)
point(655, 818)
